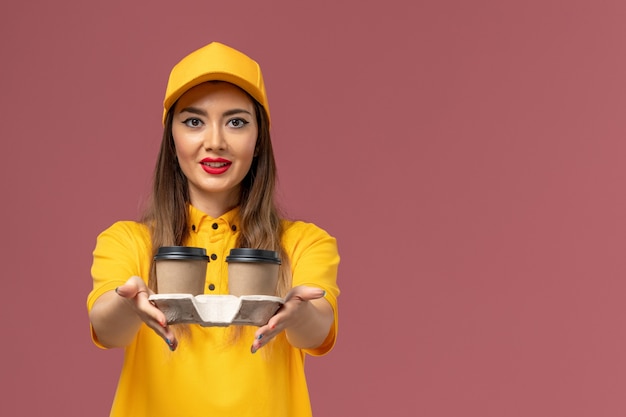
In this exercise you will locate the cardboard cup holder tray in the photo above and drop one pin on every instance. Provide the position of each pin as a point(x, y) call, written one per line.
point(217, 310)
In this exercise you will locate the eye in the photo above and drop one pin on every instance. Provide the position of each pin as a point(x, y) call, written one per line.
point(237, 123)
point(192, 122)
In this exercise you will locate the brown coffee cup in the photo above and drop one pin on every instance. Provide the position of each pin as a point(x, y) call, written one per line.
point(252, 271)
point(181, 270)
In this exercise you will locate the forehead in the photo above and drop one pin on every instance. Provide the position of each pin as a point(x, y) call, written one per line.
point(213, 92)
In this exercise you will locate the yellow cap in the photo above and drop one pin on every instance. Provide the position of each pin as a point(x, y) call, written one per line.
point(215, 62)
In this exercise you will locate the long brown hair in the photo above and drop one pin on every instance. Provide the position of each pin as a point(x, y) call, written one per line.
point(260, 221)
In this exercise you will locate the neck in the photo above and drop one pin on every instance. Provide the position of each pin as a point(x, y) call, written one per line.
point(215, 204)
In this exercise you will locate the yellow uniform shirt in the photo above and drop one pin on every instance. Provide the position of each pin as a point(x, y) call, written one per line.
point(208, 375)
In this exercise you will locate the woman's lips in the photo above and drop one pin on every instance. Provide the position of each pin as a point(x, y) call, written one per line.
point(215, 166)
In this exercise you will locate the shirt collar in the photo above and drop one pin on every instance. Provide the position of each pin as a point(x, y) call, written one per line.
point(199, 219)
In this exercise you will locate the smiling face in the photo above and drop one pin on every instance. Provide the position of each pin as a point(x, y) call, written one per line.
point(215, 133)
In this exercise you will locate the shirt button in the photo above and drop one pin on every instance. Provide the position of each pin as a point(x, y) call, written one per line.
point(211, 287)
point(213, 256)
point(214, 226)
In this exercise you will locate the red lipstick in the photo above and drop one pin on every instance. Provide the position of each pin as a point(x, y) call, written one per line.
point(215, 166)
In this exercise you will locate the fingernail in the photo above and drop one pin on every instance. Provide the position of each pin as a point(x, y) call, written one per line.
point(323, 293)
point(252, 349)
point(116, 292)
point(170, 344)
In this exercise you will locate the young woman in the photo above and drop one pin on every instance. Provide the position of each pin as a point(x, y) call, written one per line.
point(214, 188)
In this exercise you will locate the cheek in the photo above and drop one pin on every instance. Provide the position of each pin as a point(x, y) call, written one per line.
point(253, 141)
point(251, 153)
point(185, 159)
point(247, 148)
point(182, 148)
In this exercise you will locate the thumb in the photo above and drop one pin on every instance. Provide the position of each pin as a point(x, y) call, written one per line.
point(305, 293)
point(127, 290)
point(131, 288)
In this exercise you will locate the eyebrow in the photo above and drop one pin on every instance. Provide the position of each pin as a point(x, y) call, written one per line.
point(201, 112)
point(193, 110)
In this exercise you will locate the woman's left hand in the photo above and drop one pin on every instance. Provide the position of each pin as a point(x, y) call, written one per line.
point(296, 312)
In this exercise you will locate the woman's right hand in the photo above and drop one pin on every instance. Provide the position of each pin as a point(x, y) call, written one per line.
point(136, 293)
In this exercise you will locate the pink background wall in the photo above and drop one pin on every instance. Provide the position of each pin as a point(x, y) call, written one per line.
point(468, 155)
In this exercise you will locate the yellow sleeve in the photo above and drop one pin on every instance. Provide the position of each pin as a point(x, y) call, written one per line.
point(121, 251)
point(314, 261)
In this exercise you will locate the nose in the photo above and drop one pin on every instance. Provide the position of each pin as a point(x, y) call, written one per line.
point(214, 138)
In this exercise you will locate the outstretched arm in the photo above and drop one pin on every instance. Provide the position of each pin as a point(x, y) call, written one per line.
point(306, 318)
point(117, 315)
